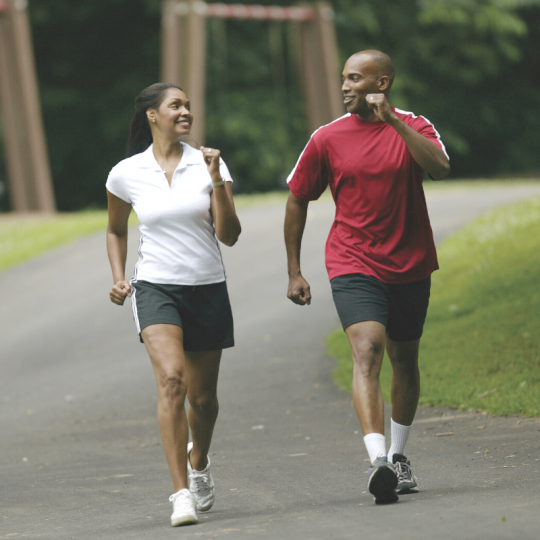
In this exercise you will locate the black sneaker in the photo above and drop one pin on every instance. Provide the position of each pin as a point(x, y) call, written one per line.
point(406, 479)
point(382, 481)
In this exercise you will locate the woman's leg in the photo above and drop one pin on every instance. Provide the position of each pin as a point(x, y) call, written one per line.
point(202, 370)
point(164, 343)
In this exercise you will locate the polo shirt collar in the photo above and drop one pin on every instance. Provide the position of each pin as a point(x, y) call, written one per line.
point(191, 156)
point(147, 160)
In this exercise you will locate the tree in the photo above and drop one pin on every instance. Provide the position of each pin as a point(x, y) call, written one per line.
point(468, 65)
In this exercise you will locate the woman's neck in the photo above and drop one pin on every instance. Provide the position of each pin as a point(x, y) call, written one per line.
point(166, 148)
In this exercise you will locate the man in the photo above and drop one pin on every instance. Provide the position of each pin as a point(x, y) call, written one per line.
point(380, 251)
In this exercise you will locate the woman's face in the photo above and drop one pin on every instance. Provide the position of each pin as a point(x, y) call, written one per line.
point(173, 116)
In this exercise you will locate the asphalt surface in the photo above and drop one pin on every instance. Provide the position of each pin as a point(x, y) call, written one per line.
point(80, 453)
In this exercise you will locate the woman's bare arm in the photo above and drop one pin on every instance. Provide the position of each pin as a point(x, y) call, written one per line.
point(117, 236)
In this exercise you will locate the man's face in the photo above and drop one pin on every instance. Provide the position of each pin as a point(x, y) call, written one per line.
point(360, 78)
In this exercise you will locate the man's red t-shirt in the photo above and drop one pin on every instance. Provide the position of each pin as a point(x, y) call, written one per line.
point(382, 226)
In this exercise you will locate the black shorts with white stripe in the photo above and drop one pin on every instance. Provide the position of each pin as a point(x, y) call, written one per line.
point(202, 311)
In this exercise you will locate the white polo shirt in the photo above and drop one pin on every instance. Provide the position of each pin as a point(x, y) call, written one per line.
point(178, 245)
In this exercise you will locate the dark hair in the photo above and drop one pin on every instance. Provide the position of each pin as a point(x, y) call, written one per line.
point(140, 135)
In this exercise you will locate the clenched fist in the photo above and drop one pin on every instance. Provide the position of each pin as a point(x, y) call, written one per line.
point(299, 291)
point(119, 292)
point(380, 106)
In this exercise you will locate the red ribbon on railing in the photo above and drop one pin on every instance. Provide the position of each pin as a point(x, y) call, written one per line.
point(241, 11)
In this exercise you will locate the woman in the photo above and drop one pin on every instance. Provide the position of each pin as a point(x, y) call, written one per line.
point(183, 199)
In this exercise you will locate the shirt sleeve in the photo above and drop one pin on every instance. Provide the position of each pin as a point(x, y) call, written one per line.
point(224, 171)
point(117, 186)
point(423, 126)
point(309, 178)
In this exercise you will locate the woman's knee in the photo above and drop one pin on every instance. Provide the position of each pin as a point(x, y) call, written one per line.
point(205, 404)
point(172, 384)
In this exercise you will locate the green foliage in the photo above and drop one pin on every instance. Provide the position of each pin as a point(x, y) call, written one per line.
point(255, 113)
point(481, 345)
point(23, 238)
point(92, 59)
point(464, 64)
point(468, 65)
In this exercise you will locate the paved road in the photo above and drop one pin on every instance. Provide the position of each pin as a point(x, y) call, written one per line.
point(79, 445)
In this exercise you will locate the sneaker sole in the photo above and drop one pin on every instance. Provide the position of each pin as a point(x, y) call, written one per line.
point(405, 490)
point(205, 508)
point(186, 520)
point(382, 485)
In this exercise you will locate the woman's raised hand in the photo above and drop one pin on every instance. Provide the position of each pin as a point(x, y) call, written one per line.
point(211, 158)
point(119, 292)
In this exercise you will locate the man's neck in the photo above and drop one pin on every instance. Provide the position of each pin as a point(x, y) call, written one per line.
point(368, 117)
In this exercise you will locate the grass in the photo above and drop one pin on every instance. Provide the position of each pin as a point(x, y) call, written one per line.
point(481, 343)
point(24, 237)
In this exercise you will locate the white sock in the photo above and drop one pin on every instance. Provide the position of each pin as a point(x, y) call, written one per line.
point(400, 436)
point(375, 445)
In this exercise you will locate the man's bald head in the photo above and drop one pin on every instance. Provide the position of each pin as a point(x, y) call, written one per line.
point(380, 63)
point(366, 72)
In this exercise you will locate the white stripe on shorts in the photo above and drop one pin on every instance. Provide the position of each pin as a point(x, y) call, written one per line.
point(134, 306)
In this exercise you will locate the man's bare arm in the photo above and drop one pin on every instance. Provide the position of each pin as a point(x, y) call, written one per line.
point(295, 222)
point(427, 154)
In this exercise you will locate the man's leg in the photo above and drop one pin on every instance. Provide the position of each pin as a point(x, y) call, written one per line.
point(405, 379)
point(405, 394)
point(367, 341)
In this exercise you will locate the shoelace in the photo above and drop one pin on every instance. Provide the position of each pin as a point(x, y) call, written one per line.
point(200, 480)
point(179, 495)
point(403, 471)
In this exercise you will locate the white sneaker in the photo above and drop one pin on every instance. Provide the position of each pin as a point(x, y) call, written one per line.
point(184, 510)
point(201, 485)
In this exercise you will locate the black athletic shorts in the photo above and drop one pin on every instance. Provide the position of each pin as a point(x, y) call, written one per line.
point(202, 311)
point(401, 308)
